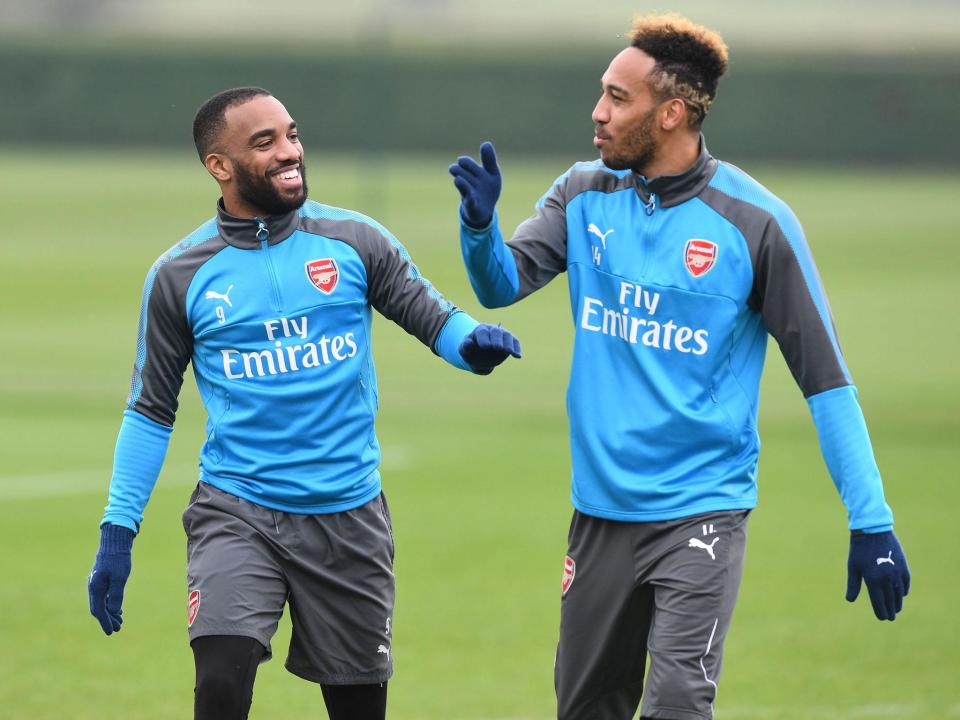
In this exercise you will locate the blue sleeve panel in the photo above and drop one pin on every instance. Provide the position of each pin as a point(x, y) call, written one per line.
point(848, 453)
point(141, 449)
point(490, 264)
point(447, 346)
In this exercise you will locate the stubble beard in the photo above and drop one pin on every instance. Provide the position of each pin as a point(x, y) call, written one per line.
point(639, 147)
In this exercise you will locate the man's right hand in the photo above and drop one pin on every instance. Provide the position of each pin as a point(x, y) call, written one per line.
point(479, 186)
point(111, 568)
point(487, 346)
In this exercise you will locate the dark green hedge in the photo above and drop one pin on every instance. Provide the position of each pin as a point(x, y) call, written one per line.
point(811, 109)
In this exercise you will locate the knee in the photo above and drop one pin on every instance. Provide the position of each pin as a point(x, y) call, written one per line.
point(225, 675)
point(221, 695)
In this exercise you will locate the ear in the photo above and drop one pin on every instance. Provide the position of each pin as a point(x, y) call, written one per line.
point(219, 166)
point(673, 114)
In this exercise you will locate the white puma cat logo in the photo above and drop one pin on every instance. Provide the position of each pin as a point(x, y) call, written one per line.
point(698, 543)
point(887, 559)
point(211, 295)
point(591, 228)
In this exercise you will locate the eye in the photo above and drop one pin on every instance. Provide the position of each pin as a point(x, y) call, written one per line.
point(264, 145)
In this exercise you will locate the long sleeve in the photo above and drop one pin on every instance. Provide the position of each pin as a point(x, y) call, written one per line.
point(790, 296)
point(848, 453)
point(490, 266)
point(504, 273)
point(139, 455)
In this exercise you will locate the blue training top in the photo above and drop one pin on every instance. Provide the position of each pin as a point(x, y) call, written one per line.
point(275, 316)
point(674, 284)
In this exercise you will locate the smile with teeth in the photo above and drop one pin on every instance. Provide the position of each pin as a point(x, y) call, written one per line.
point(290, 174)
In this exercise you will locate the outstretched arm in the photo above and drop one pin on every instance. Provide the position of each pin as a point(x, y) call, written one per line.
point(398, 291)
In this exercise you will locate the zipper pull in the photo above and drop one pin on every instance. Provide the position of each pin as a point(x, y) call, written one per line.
point(262, 233)
point(649, 207)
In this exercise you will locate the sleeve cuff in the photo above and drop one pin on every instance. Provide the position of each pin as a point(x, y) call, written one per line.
point(447, 345)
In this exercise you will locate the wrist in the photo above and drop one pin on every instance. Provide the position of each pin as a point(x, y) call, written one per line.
point(473, 225)
point(115, 539)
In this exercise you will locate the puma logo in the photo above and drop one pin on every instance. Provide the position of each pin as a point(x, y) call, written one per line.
point(383, 649)
point(698, 543)
point(591, 228)
point(212, 295)
point(887, 559)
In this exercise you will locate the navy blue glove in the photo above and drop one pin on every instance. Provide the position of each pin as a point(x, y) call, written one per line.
point(487, 346)
point(479, 186)
point(110, 572)
point(878, 560)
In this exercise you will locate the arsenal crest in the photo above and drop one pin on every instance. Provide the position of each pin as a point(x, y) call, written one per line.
point(569, 570)
point(699, 256)
point(324, 274)
point(193, 607)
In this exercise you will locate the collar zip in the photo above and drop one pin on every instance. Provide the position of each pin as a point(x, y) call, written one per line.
point(262, 232)
point(649, 207)
point(650, 204)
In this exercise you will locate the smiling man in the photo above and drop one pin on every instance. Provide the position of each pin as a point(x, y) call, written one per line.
point(679, 266)
point(271, 301)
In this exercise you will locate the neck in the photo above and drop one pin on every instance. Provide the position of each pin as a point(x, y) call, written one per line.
point(238, 208)
point(678, 152)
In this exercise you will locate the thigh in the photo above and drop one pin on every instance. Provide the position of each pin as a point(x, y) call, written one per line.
point(604, 619)
point(341, 596)
point(696, 584)
point(235, 583)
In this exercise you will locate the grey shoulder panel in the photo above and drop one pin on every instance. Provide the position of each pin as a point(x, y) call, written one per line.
point(395, 287)
point(165, 338)
point(787, 293)
point(539, 245)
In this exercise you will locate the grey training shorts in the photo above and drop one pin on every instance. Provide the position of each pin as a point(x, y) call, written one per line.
point(632, 590)
point(246, 561)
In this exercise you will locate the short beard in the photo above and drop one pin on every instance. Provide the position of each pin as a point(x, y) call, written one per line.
point(640, 146)
point(258, 191)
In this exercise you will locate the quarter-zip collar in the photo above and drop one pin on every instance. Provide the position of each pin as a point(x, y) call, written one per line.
point(672, 190)
point(242, 232)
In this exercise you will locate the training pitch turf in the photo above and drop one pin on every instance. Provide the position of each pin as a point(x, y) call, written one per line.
point(476, 469)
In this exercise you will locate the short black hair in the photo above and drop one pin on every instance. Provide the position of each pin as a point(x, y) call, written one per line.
point(210, 120)
point(690, 59)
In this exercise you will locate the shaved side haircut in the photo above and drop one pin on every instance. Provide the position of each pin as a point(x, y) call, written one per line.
point(690, 59)
point(210, 119)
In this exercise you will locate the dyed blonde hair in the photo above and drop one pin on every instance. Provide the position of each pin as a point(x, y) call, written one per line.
point(690, 59)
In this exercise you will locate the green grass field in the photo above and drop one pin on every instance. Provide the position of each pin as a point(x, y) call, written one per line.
point(476, 468)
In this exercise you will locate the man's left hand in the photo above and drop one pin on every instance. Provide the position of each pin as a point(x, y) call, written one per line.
point(479, 186)
point(487, 346)
point(878, 560)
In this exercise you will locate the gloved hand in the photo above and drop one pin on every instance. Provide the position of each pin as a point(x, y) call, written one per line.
point(479, 186)
point(878, 559)
point(487, 346)
point(110, 572)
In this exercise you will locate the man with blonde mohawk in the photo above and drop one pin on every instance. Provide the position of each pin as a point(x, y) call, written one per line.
point(679, 265)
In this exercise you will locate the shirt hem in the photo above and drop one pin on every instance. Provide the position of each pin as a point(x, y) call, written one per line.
point(316, 509)
point(658, 515)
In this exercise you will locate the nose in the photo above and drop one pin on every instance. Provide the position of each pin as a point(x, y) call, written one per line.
point(288, 150)
point(600, 112)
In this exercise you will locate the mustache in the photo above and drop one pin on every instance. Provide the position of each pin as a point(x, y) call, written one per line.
point(290, 166)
